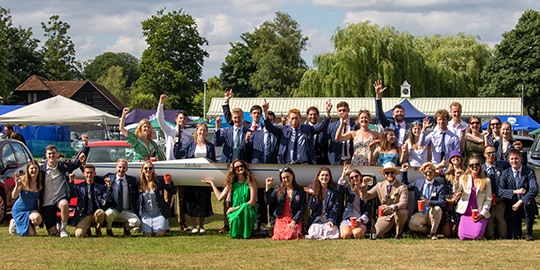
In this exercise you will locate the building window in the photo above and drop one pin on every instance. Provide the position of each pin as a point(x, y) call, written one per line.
point(31, 97)
point(88, 98)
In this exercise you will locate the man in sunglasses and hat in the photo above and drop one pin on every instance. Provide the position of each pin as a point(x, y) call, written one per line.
point(393, 196)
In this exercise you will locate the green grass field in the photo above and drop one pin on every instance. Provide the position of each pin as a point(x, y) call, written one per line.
point(212, 250)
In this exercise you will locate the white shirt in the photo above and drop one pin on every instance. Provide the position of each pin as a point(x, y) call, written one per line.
point(457, 128)
point(55, 186)
point(170, 133)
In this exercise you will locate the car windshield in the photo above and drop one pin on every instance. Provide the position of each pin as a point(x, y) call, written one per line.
point(110, 153)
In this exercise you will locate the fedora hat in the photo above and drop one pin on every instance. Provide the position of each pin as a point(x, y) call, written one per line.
point(390, 166)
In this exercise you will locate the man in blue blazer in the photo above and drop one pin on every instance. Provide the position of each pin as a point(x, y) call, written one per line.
point(232, 138)
point(399, 124)
point(432, 195)
point(319, 140)
point(340, 152)
point(518, 187)
point(294, 147)
point(91, 199)
point(56, 190)
point(124, 191)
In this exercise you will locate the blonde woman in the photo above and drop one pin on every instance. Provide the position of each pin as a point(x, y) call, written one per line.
point(154, 212)
point(24, 211)
point(142, 141)
point(475, 201)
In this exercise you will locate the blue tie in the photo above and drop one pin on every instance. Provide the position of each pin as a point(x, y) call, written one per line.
point(516, 178)
point(443, 147)
point(120, 202)
point(267, 145)
point(397, 133)
point(427, 193)
point(236, 149)
point(295, 149)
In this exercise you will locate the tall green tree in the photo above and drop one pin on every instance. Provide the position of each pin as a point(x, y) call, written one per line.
point(172, 63)
point(58, 51)
point(19, 58)
point(267, 62)
point(115, 81)
point(100, 65)
point(516, 64)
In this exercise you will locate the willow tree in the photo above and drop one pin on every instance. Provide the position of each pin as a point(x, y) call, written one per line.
point(363, 53)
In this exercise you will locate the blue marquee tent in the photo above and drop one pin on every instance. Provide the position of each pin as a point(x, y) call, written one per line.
point(519, 122)
point(411, 113)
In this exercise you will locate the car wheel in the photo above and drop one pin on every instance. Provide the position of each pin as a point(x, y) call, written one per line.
point(2, 208)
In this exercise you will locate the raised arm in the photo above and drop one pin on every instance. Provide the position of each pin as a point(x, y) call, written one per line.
point(123, 122)
point(219, 195)
point(160, 116)
point(340, 137)
point(18, 185)
point(227, 109)
point(378, 104)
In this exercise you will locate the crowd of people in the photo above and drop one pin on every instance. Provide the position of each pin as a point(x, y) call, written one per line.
point(476, 184)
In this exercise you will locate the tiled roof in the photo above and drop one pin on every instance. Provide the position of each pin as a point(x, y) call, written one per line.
point(65, 88)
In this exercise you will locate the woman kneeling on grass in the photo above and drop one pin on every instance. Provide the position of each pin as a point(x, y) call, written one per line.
point(323, 202)
point(24, 211)
point(290, 207)
point(357, 211)
point(154, 212)
point(242, 184)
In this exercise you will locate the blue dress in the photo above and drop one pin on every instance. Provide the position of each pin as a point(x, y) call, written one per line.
point(152, 220)
point(25, 204)
point(388, 157)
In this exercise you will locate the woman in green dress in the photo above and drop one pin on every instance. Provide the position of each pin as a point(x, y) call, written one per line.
point(473, 141)
point(142, 140)
point(241, 183)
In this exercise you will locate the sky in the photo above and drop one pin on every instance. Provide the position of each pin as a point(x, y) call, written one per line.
point(100, 26)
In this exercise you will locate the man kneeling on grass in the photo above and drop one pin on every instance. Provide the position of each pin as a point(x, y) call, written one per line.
point(91, 197)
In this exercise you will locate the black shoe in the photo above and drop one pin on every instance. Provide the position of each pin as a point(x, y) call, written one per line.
point(529, 237)
point(127, 233)
point(398, 236)
point(110, 232)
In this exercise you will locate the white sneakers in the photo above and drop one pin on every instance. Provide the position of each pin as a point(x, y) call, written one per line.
point(12, 227)
point(64, 234)
point(200, 230)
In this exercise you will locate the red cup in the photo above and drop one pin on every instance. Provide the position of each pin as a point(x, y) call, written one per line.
point(420, 205)
point(381, 212)
point(353, 222)
point(153, 159)
point(167, 178)
point(474, 213)
point(493, 200)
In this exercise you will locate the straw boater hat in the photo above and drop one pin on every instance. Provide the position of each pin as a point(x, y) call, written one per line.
point(389, 166)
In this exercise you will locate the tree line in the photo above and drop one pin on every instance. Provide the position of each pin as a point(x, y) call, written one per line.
point(267, 62)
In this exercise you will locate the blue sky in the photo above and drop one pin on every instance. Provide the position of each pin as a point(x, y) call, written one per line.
point(114, 25)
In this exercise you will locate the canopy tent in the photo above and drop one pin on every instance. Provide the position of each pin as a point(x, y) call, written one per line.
point(200, 120)
point(519, 122)
point(58, 110)
point(411, 113)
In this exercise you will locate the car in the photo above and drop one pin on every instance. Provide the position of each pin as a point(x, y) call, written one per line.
point(14, 156)
point(533, 155)
point(109, 151)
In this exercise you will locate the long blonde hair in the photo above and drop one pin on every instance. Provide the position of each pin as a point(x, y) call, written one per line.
point(481, 180)
point(138, 130)
point(147, 184)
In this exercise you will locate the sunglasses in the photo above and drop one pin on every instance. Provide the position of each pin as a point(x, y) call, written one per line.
point(239, 166)
point(354, 176)
point(148, 168)
point(389, 173)
point(428, 172)
point(283, 169)
point(472, 165)
point(474, 123)
point(491, 153)
point(495, 124)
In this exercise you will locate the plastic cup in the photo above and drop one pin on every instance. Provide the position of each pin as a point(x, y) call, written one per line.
point(153, 159)
point(353, 222)
point(167, 178)
point(493, 200)
point(449, 198)
point(474, 213)
point(420, 205)
point(381, 212)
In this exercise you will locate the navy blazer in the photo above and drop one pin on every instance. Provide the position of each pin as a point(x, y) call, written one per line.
point(385, 122)
point(255, 147)
point(65, 168)
point(331, 206)
point(162, 205)
point(133, 191)
point(499, 146)
point(101, 196)
point(321, 147)
point(507, 185)
point(499, 167)
point(225, 137)
point(335, 148)
point(438, 190)
point(365, 206)
point(188, 150)
point(298, 203)
point(285, 133)
point(228, 116)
